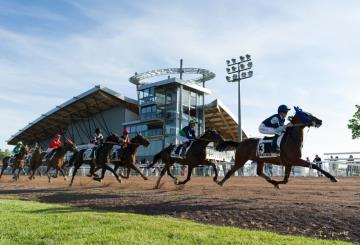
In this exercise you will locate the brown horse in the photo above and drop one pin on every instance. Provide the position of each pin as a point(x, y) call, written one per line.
point(290, 154)
point(35, 161)
point(18, 163)
point(57, 160)
point(102, 154)
point(195, 156)
point(128, 156)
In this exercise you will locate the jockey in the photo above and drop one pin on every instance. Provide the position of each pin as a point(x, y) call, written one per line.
point(97, 140)
point(186, 135)
point(98, 137)
point(54, 144)
point(125, 138)
point(17, 148)
point(274, 125)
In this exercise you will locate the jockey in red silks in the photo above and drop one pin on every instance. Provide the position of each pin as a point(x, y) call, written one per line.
point(54, 144)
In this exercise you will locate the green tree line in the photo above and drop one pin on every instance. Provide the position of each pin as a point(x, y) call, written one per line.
point(4, 153)
point(354, 124)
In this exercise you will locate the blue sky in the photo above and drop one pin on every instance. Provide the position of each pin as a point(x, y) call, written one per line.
point(305, 53)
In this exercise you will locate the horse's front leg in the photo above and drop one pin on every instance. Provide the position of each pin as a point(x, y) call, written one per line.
point(190, 168)
point(260, 172)
point(133, 166)
point(303, 163)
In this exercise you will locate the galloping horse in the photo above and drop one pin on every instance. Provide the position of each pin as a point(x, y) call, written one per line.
point(57, 160)
point(18, 163)
point(101, 158)
point(128, 156)
point(35, 161)
point(195, 156)
point(290, 154)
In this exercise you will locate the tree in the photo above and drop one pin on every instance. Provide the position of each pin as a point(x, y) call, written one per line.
point(354, 123)
point(5, 153)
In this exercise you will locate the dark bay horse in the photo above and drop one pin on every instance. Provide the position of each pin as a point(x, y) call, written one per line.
point(195, 157)
point(18, 163)
point(100, 161)
point(35, 161)
point(128, 156)
point(58, 158)
point(290, 150)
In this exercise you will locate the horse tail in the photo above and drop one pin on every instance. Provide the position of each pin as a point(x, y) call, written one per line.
point(227, 145)
point(157, 157)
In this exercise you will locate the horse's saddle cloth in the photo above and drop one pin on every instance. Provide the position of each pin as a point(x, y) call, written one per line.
point(264, 148)
point(180, 153)
point(89, 154)
point(116, 153)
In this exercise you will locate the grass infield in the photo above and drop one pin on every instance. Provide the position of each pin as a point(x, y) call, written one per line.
point(29, 222)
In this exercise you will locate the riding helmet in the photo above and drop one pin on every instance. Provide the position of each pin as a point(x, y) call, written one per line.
point(283, 108)
point(125, 132)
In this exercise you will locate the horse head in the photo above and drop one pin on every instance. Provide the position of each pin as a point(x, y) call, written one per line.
point(302, 117)
point(213, 136)
point(139, 139)
point(69, 145)
point(113, 138)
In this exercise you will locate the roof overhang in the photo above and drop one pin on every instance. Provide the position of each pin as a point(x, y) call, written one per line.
point(219, 117)
point(78, 108)
point(190, 84)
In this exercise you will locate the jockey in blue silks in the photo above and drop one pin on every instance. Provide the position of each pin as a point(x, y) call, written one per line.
point(275, 125)
point(186, 135)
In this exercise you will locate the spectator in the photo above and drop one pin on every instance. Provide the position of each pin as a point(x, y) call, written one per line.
point(269, 169)
point(318, 162)
point(349, 167)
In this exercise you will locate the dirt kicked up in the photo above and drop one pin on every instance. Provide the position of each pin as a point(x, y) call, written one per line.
point(306, 206)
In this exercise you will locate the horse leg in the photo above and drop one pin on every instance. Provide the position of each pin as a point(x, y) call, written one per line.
point(238, 164)
point(106, 167)
point(304, 163)
point(260, 172)
point(76, 167)
point(160, 176)
point(62, 172)
point(47, 172)
point(133, 166)
point(188, 176)
point(5, 165)
point(170, 174)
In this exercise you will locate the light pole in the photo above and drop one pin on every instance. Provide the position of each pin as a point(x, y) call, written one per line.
point(237, 71)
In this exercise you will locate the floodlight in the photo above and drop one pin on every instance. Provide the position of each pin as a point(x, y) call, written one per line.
point(228, 78)
point(242, 58)
point(243, 75)
point(242, 66)
point(235, 77)
point(233, 68)
point(250, 73)
point(228, 62)
point(249, 64)
point(228, 70)
point(248, 56)
point(233, 60)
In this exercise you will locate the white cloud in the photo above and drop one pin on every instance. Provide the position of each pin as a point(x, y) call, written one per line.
point(304, 54)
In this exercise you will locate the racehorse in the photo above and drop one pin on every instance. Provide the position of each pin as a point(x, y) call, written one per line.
point(18, 163)
point(57, 160)
point(36, 160)
point(290, 154)
point(128, 156)
point(195, 156)
point(101, 158)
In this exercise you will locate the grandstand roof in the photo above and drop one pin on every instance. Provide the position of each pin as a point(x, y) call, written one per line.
point(219, 117)
point(82, 106)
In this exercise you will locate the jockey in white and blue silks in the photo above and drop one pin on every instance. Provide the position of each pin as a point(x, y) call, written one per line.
point(274, 125)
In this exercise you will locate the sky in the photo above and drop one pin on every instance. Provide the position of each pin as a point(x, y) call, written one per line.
point(305, 53)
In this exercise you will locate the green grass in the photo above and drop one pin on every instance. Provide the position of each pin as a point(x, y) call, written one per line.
point(29, 222)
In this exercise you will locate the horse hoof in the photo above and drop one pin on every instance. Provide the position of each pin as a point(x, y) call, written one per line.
point(334, 180)
point(276, 186)
point(146, 178)
point(97, 179)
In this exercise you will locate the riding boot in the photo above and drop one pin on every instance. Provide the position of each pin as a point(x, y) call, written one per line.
point(274, 147)
point(177, 151)
point(183, 150)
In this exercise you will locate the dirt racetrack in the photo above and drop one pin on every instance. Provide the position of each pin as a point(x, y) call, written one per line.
point(305, 206)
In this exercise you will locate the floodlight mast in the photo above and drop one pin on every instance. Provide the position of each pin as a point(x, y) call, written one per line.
point(237, 71)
